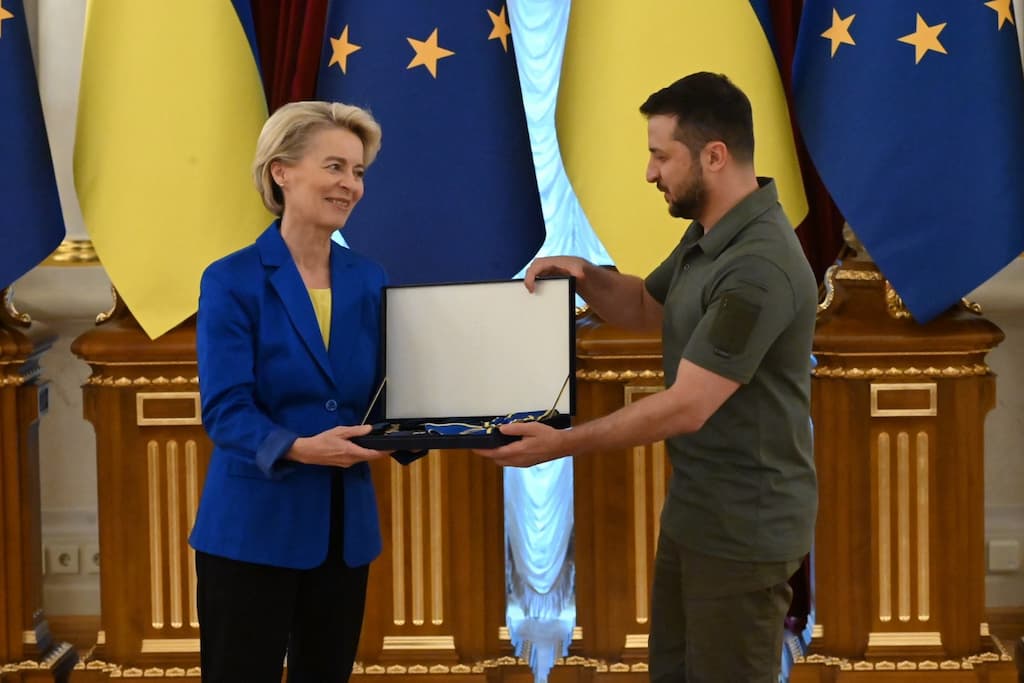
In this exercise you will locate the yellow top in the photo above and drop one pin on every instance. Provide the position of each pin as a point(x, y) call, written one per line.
point(321, 299)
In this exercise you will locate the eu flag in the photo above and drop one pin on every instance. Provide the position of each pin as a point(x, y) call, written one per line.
point(452, 195)
point(31, 223)
point(914, 115)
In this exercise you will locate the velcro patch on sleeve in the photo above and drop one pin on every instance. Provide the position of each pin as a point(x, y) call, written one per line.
point(733, 324)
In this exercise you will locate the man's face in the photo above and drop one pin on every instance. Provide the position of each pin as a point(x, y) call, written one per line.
point(673, 169)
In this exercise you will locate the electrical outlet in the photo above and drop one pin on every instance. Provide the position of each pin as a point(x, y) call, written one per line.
point(62, 558)
point(91, 558)
point(1003, 555)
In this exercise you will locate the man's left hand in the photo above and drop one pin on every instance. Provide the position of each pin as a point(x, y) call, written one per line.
point(540, 443)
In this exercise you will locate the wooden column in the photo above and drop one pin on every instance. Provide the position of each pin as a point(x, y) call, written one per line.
point(23, 400)
point(899, 412)
point(151, 458)
point(619, 496)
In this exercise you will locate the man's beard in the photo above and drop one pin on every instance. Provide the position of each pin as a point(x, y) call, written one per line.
point(690, 203)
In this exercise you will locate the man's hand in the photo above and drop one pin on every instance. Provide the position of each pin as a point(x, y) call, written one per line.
point(332, 448)
point(540, 443)
point(555, 265)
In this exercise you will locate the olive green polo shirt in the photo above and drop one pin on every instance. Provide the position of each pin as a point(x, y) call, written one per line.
point(740, 301)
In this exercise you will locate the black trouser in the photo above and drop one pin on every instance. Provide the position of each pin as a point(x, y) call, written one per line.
point(250, 615)
point(715, 620)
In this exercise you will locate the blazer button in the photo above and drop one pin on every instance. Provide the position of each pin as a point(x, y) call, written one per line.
point(331, 405)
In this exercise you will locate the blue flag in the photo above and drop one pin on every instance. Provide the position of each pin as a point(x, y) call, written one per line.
point(31, 223)
point(914, 115)
point(453, 194)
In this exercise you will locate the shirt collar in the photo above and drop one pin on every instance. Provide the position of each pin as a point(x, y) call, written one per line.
point(732, 223)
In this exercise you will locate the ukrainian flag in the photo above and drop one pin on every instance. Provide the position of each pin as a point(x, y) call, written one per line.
point(171, 104)
point(616, 54)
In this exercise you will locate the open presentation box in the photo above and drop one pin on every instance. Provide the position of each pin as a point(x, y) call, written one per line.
point(459, 359)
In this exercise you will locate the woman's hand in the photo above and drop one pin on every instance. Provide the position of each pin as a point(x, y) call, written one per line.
point(332, 448)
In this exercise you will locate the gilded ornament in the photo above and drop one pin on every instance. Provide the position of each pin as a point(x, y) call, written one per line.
point(830, 289)
point(109, 313)
point(894, 304)
point(23, 319)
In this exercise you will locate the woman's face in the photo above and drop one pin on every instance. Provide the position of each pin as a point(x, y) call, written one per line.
point(322, 188)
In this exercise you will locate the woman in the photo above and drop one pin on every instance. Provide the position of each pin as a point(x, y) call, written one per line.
point(287, 342)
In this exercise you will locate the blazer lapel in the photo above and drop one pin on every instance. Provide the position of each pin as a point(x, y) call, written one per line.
point(347, 314)
point(288, 284)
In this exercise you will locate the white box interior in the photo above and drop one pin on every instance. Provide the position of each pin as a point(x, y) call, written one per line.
point(478, 349)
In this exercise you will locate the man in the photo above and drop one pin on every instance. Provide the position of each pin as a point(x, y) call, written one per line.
point(736, 303)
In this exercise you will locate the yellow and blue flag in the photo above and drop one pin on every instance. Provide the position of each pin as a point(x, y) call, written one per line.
point(617, 53)
point(452, 195)
point(913, 113)
point(170, 107)
point(31, 222)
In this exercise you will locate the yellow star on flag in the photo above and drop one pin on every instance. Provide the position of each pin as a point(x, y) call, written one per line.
point(501, 28)
point(839, 31)
point(1003, 9)
point(925, 38)
point(342, 49)
point(428, 52)
point(4, 14)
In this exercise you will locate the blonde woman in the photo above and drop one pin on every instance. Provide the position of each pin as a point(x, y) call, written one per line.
point(287, 341)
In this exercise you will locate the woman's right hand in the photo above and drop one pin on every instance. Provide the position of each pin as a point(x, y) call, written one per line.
point(332, 448)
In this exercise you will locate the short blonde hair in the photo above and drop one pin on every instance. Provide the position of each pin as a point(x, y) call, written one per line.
point(287, 133)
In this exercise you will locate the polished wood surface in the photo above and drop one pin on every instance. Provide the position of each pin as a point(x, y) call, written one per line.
point(436, 603)
point(23, 399)
point(898, 410)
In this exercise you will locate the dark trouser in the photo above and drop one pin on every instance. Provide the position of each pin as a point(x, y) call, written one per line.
point(250, 615)
point(715, 620)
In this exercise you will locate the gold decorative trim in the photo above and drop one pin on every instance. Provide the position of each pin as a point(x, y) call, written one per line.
point(894, 304)
point(397, 544)
point(949, 372)
point(101, 637)
point(12, 380)
point(503, 634)
point(418, 643)
point(830, 289)
point(436, 540)
point(983, 629)
point(636, 641)
point(109, 313)
point(884, 531)
point(140, 409)
point(817, 631)
point(17, 317)
point(164, 645)
point(905, 639)
point(903, 524)
point(640, 533)
point(416, 541)
point(971, 306)
point(923, 539)
point(156, 562)
point(174, 540)
point(878, 388)
point(73, 253)
point(619, 375)
point(110, 381)
point(191, 507)
point(28, 637)
point(862, 275)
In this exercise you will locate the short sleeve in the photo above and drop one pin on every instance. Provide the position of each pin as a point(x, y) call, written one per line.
point(749, 305)
point(660, 279)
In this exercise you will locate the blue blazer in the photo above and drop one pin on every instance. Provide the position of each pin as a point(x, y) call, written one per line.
point(266, 378)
